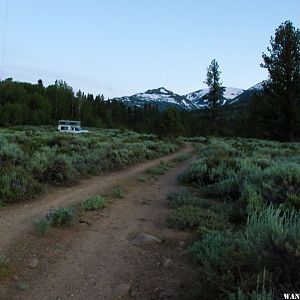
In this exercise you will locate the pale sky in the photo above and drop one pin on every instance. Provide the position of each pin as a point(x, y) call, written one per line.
point(121, 47)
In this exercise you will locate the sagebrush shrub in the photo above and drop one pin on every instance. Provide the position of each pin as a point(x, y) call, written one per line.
point(41, 226)
point(160, 169)
point(183, 197)
point(60, 170)
point(17, 185)
point(4, 267)
point(190, 217)
point(93, 203)
point(273, 226)
point(182, 157)
point(260, 182)
point(63, 216)
point(60, 159)
point(11, 154)
point(118, 192)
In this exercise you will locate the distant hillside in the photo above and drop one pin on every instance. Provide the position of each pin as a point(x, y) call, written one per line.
point(163, 98)
point(198, 97)
point(247, 95)
point(160, 97)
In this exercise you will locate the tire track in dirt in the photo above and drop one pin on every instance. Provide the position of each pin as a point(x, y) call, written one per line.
point(93, 260)
point(16, 219)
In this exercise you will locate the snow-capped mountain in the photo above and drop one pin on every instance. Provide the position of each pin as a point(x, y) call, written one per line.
point(198, 97)
point(196, 100)
point(161, 97)
point(247, 95)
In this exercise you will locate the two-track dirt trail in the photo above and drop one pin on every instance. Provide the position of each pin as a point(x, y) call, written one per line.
point(90, 261)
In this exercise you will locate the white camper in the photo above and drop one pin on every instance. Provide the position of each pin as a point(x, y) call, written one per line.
point(70, 126)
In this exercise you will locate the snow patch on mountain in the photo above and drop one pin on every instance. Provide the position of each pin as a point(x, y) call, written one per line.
point(160, 97)
point(229, 93)
point(163, 98)
point(163, 91)
point(257, 87)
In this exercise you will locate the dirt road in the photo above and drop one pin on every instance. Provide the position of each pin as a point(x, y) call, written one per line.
point(95, 259)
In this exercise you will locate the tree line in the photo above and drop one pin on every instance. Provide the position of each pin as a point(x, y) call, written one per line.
point(273, 112)
point(23, 103)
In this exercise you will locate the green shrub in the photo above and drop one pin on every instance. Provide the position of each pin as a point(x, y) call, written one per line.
point(272, 226)
point(160, 169)
point(39, 163)
point(41, 226)
point(214, 249)
point(280, 180)
point(255, 295)
point(93, 203)
point(294, 199)
point(142, 178)
point(3, 261)
point(197, 139)
point(60, 170)
point(196, 174)
point(4, 267)
point(226, 189)
point(22, 286)
point(259, 182)
point(189, 217)
point(60, 159)
point(218, 259)
point(118, 192)
point(17, 185)
point(182, 198)
point(11, 153)
point(63, 216)
point(252, 198)
point(218, 148)
point(182, 157)
point(269, 243)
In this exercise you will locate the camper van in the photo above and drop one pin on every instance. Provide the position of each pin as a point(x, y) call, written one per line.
point(70, 126)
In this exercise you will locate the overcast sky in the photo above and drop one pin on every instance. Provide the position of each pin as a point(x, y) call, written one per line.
point(121, 47)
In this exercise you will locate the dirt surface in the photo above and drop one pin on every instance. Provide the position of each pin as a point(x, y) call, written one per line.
point(94, 259)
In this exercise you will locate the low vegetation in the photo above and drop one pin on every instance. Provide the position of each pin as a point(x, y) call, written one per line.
point(93, 203)
point(22, 286)
point(66, 216)
point(41, 226)
point(118, 192)
point(62, 216)
point(182, 157)
point(4, 267)
point(30, 157)
point(241, 198)
point(160, 169)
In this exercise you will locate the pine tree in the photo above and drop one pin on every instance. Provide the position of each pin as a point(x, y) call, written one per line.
point(215, 93)
point(282, 89)
point(171, 126)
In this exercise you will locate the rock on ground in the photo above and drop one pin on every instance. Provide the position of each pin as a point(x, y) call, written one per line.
point(145, 239)
point(168, 263)
point(121, 290)
point(32, 262)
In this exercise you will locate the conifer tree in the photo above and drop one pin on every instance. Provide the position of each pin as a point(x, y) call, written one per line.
point(282, 89)
point(171, 123)
point(215, 93)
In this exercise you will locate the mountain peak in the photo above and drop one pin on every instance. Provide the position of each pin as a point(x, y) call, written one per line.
point(160, 90)
point(163, 98)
